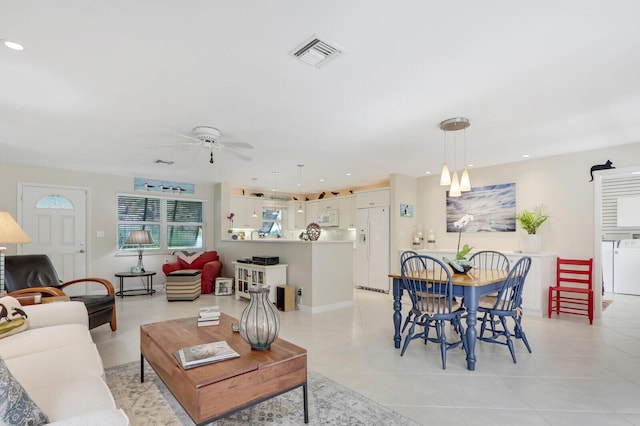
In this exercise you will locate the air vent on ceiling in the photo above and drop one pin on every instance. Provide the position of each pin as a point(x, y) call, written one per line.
point(315, 52)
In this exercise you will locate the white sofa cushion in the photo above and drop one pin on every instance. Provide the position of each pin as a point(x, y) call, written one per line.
point(16, 407)
point(74, 397)
point(50, 368)
point(57, 313)
point(102, 417)
point(43, 339)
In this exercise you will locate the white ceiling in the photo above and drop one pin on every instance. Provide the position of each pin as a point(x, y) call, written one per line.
point(99, 83)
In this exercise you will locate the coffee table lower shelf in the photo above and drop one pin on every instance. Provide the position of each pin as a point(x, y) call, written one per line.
point(214, 391)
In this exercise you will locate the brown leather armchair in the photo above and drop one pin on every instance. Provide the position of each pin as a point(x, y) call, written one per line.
point(34, 273)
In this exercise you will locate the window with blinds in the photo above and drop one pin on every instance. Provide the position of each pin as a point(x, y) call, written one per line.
point(173, 223)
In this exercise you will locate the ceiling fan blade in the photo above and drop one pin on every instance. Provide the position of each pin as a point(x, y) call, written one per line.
point(237, 145)
point(172, 144)
point(189, 137)
point(238, 154)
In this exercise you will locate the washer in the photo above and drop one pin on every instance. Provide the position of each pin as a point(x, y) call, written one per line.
point(625, 267)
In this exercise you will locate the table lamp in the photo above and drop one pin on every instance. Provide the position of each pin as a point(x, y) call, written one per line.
point(10, 233)
point(140, 238)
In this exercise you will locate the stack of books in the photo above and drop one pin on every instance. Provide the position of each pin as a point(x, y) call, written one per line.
point(208, 315)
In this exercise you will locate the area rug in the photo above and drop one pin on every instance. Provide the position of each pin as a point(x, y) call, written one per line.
point(150, 403)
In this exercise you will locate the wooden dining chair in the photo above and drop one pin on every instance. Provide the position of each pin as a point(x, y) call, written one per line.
point(573, 292)
point(428, 282)
point(507, 304)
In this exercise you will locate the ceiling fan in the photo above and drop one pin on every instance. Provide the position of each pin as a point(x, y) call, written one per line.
point(209, 137)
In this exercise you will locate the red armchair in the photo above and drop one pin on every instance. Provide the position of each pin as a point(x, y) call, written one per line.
point(208, 262)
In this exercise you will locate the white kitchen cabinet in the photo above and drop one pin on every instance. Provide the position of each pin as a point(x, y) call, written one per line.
point(311, 211)
point(373, 198)
point(348, 212)
point(295, 219)
point(244, 208)
point(541, 275)
point(248, 274)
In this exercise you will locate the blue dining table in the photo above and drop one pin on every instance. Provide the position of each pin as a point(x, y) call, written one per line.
point(470, 286)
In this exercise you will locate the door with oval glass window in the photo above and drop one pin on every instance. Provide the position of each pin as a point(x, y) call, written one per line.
point(55, 219)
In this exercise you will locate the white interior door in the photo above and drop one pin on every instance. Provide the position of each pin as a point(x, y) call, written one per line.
point(55, 218)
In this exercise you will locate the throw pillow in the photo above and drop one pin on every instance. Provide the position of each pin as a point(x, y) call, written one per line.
point(195, 260)
point(13, 319)
point(186, 258)
point(16, 408)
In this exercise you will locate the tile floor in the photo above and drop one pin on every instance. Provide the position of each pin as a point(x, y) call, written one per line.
point(577, 374)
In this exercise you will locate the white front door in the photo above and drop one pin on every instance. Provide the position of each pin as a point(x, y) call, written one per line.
point(55, 218)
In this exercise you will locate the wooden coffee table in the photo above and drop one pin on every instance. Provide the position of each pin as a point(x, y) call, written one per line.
point(216, 390)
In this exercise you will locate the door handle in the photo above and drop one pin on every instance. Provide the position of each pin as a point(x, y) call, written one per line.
point(81, 251)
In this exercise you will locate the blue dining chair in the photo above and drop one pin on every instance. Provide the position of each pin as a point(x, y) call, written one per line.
point(489, 259)
point(507, 304)
point(427, 281)
point(403, 256)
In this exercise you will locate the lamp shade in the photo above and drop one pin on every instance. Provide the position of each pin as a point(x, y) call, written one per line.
point(10, 231)
point(139, 237)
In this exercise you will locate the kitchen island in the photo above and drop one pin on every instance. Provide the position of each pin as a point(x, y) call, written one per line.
point(322, 269)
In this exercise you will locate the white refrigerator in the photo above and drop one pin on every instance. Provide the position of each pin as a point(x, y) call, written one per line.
point(372, 249)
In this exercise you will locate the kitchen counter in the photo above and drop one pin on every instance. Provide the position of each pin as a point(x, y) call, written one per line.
point(322, 269)
point(282, 240)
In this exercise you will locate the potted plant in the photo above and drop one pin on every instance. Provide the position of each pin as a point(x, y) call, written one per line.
point(530, 221)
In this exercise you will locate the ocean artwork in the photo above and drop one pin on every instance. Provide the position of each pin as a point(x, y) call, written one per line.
point(493, 209)
point(152, 185)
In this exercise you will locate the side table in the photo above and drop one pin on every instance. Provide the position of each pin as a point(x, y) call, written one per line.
point(148, 288)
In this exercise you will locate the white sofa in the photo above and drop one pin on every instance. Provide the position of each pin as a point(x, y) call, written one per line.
point(58, 365)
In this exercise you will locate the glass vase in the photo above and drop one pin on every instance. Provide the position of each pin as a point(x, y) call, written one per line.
point(260, 320)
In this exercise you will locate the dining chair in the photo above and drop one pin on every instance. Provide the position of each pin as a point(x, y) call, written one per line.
point(507, 304)
point(573, 292)
point(490, 259)
point(427, 281)
point(405, 255)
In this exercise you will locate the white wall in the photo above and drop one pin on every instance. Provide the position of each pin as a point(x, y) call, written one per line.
point(560, 183)
point(102, 206)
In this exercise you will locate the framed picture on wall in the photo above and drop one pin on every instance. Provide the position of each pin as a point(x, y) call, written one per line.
point(493, 209)
point(406, 210)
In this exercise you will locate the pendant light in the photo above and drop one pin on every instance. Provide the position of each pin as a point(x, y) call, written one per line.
point(464, 183)
point(445, 176)
point(254, 201)
point(300, 209)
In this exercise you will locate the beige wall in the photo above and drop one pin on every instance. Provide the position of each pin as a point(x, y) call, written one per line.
point(102, 206)
point(560, 183)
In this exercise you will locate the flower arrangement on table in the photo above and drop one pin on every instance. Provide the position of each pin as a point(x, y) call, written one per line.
point(230, 217)
point(461, 264)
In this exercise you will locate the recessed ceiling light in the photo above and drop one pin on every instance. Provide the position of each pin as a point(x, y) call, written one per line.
point(348, 174)
point(525, 156)
point(321, 180)
point(427, 173)
point(13, 45)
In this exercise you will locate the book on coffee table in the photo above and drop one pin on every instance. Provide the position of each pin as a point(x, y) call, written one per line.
point(208, 353)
